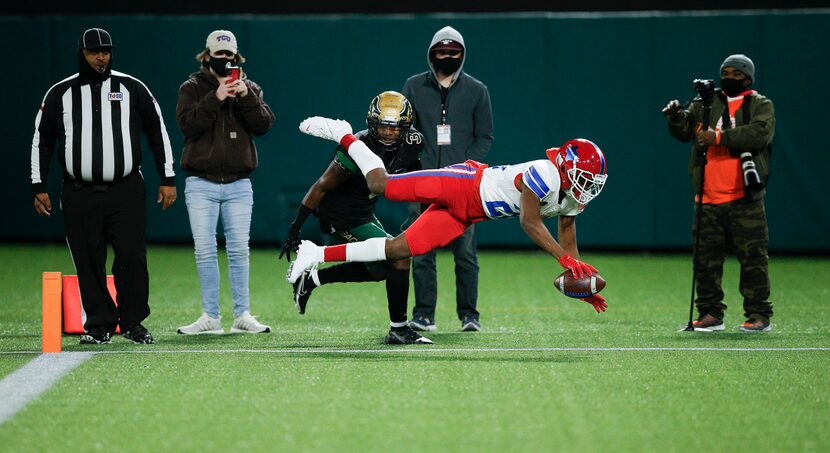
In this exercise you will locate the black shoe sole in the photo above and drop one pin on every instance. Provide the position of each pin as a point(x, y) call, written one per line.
point(87, 339)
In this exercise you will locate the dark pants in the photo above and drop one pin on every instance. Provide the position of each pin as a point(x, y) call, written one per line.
point(739, 227)
point(94, 217)
point(466, 278)
point(397, 281)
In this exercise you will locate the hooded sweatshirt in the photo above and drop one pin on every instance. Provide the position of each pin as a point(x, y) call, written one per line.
point(467, 106)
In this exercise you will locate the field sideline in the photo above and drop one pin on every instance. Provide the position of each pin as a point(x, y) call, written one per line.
point(546, 372)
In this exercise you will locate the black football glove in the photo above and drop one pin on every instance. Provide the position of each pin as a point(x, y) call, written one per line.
point(293, 241)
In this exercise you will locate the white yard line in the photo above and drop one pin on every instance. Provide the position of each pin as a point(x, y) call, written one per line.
point(28, 382)
point(428, 349)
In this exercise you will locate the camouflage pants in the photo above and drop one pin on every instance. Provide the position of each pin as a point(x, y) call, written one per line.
point(738, 227)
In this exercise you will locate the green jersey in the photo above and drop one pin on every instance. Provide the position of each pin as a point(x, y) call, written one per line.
point(352, 204)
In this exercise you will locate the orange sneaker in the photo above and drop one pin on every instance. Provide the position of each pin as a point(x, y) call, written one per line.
point(755, 325)
point(708, 323)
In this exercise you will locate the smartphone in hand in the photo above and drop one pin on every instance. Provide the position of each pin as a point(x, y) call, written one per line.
point(233, 74)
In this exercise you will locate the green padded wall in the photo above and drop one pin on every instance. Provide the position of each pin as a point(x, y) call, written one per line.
point(551, 77)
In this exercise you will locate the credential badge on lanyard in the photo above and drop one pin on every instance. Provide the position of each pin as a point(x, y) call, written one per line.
point(444, 134)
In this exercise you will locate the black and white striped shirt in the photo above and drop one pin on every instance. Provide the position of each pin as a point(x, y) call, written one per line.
point(96, 130)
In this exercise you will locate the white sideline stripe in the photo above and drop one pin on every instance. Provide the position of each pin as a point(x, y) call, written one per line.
point(28, 382)
point(431, 350)
point(438, 351)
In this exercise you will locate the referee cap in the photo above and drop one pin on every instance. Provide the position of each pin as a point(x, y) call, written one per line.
point(95, 38)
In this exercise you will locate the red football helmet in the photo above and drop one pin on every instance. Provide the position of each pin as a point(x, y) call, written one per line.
point(585, 165)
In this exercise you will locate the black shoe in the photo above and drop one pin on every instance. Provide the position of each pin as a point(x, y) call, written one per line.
point(470, 324)
point(138, 335)
point(302, 291)
point(405, 335)
point(97, 335)
point(422, 323)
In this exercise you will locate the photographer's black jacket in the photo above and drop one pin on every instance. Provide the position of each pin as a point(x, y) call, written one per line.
point(96, 126)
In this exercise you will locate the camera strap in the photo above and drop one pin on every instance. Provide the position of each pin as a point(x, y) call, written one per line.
point(746, 116)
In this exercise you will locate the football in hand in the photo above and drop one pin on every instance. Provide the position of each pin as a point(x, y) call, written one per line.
point(579, 288)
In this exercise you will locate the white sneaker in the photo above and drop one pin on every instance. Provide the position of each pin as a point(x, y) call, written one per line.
point(326, 128)
point(245, 323)
point(308, 254)
point(205, 324)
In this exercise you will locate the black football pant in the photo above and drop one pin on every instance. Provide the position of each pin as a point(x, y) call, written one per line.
point(95, 216)
point(425, 277)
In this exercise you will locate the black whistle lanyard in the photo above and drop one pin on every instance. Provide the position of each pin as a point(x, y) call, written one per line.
point(444, 92)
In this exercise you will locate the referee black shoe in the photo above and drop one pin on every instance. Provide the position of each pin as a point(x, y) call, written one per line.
point(138, 335)
point(97, 335)
point(405, 335)
point(302, 291)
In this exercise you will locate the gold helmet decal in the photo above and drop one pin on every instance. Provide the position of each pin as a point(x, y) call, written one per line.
point(390, 108)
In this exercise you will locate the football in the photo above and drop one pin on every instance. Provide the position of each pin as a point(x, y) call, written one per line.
point(579, 288)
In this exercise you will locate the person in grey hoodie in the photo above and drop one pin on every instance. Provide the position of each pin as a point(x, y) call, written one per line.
point(453, 112)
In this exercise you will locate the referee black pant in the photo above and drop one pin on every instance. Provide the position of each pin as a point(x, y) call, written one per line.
point(95, 216)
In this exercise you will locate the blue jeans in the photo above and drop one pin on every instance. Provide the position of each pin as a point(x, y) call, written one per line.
point(206, 201)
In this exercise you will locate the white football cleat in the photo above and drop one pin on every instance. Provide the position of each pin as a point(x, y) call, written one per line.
point(326, 128)
point(308, 254)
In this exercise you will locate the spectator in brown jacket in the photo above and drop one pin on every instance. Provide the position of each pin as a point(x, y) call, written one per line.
point(219, 111)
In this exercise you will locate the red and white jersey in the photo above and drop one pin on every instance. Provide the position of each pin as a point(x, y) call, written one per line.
point(500, 193)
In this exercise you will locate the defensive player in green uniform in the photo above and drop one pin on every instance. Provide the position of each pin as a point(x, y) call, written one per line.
point(346, 211)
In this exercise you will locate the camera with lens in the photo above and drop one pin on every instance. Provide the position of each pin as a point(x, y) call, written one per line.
point(706, 89)
point(752, 180)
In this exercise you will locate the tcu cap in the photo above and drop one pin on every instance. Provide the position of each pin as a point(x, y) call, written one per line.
point(219, 40)
point(95, 38)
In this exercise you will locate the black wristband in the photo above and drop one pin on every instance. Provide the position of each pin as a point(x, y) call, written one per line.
point(302, 214)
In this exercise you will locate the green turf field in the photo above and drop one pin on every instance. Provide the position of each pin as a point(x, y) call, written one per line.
point(545, 373)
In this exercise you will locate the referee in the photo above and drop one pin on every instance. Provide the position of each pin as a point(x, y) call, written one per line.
point(94, 120)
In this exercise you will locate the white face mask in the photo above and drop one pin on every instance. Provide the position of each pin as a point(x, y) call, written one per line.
point(585, 186)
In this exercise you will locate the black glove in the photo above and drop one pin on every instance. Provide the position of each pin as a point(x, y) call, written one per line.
point(293, 241)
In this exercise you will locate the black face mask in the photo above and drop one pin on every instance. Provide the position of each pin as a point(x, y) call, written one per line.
point(219, 65)
point(732, 87)
point(447, 65)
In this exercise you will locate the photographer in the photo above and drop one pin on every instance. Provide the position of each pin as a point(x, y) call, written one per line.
point(731, 145)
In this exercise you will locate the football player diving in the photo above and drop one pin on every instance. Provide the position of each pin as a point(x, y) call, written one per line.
point(346, 211)
point(462, 194)
point(560, 185)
